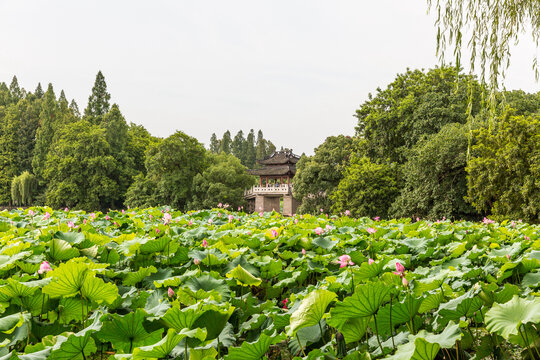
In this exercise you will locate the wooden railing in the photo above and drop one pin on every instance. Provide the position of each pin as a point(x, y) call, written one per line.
point(270, 190)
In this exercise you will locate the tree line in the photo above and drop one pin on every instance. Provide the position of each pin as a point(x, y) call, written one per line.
point(246, 149)
point(430, 146)
point(51, 153)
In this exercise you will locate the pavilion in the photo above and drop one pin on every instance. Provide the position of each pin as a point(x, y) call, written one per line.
point(274, 184)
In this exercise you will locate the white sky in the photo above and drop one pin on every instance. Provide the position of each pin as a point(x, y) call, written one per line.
point(298, 70)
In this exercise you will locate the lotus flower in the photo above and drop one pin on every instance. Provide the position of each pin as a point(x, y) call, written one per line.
point(107, 217)
point(347, 213)
point(344, 260)
point(376, 218)
point(66, 209)
point(31, 213)
point(284, 302)
point(303, 251)
point(196, 261)
point(371, 230)
point(157, 230)
point(400, 269)
point(46, 216)
point(219, 215)
point(319, 230)
point(328, 227)
point(295, 221)
point(219, 205)
point(84, 221)
point(261, 214)
point(487, 221)
point(231, 218)
point(167, 218)
point(123, 212)
point(204, 243)
point(71, 225)
point(370, 261)
point(170, 292)
point(44, 267)
point(508, 256)
point(513, 224)
point(210, 221)
point(322, 210)
point(526, 237)
point(150, 216)
point(225, 206)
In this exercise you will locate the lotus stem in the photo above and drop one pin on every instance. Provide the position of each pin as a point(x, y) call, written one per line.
point(300, 344)
point(526, 341)
point(185, 350)
point(377, 333)
point(320, 328)
point(391, 327)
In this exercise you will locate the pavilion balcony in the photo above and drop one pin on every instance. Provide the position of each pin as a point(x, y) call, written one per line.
point(283, 189)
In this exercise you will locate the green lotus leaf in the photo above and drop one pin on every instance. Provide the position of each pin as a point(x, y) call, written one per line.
point(79, 345)
point(179, 319)
point(155, 305)
point(531, 280)
point(366, 301)
point(70, 237)
point(243, 277)
point(97, 290)
point(213, 320)
point(311, 310)
point(68, 279)
point(61, 250)
point(70, 309)
point(367, 271)
point(163, 348)
point(209, 283)
point(402, 312)
point(202, 354)
point(506, 319)
point(15, 289)
point(250, 351)
point(352, 329)
point(9, 323)
point(133, 278)
point(126, 332)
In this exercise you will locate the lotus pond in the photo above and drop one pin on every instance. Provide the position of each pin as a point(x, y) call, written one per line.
point(161, 284)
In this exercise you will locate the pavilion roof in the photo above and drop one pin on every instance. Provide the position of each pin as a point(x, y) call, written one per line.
point(280, 158)
point(276, 170)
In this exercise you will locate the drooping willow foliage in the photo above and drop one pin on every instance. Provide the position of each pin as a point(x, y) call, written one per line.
point(23, 189)
point(489, 28)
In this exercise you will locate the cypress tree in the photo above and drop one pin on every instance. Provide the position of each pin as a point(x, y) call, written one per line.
point(226, 143)
point(39, 91)
point(237, 146)
point(15, 90)
point(214, 144)
point(261, 146)
point(249, 150)
point(98, 102)
point(75, 109)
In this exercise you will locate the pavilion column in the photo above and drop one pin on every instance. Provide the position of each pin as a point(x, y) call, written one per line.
point(260, 180)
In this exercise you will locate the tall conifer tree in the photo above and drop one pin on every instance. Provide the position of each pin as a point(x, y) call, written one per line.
point(226, 143)
point(98, 102)
point(214, 144)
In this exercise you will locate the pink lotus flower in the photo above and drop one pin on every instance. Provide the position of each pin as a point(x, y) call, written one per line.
point(31, 213)
point(115, 223)
point(107, 217)
point(508, 256)
point(157, 230)
point(170, 292)
point(261, 214)
point(526, 237)
point(71, 225)
point(371, 230)
point(319, 230)
point(46, 216)
point(487, 221)
point(417, 219)
point(150, 216)
point(219, 215)
point(225, 206)
point(345, 260)
point(190, 223)
point(219, 205)
point(196, 261)
point(370, 261)
point(66, 209)
point(204, 243)
point(167, 218)
point(84, 221)
point(274, 233)
point(404, 281)
point(123, 212)
point(328, 227)
point(295, 221)
point(284, 302)
point(347, 213)
point(376, 218)
point(231, 218)
point(322, 210)
point(513, 224)
point(249, 233)
point(400, 269)
point(44, 267)
point(210, 221)
point(303, 251)
point(92, 216)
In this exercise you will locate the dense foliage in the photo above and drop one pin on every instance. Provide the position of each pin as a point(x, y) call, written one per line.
point(158, 283)
point(318, 176)
point(504, 174)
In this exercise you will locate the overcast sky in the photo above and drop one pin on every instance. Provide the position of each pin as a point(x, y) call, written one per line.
point(298, 70)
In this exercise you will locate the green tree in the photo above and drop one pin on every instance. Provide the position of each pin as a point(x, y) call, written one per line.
point(249, 150)
point(223, 181)
point(171, 166)
point(98, 102)
point(75, 109)
point(15, 90)
point(503, 175)
point(226, 142)
point(23, 189)
point(39, 91)
point(139, 139)
point(49, 124)
point(434, 177)
point(318, 176)
point(80, 169)
point(214, 144)
point(367, 188)
point(237, 146)
point(414, 105)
